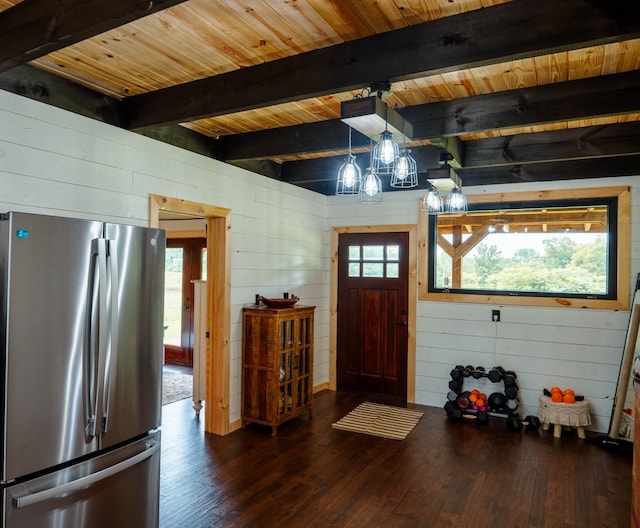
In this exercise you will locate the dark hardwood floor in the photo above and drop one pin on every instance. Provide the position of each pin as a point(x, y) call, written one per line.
point(443, 474)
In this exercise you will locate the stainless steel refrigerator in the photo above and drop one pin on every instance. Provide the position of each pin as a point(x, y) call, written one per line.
point(81, 371)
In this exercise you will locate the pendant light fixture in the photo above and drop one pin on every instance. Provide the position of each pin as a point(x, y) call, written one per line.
point(386, 152)
point(432, 202)
point(368, 114)
point(349, 175)
point(405, 170)
point(456, 202)
point(444, 179)
point(370, 188)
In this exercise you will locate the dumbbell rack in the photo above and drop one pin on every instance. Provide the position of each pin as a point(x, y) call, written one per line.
point(495, 375)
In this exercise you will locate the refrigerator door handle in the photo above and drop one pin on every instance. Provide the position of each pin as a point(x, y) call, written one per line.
point(82, 483)
point(103, 329)
point(95, 343)
point(112, 335)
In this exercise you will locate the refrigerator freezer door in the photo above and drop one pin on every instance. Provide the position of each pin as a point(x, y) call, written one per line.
point(44, 286)
point(133, 404)
point(120, 488)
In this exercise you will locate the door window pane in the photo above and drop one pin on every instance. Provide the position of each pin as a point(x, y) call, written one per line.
point(393, 270)
point(354, 252)
point(173, 295)
point(372, 252)
point(354, 269)
point(373, 269)
point(393, 252)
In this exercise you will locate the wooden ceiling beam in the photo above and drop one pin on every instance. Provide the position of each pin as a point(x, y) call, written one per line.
point(552, 171)
point(457, 42)
point(571, 100)
point(574, 143)
point(42, 86)
point(320, 174)
point(580, 99)
point(326, 169)
point(323, 136)
point(34, 28)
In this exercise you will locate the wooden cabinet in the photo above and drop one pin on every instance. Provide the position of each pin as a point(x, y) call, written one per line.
point(277, 364)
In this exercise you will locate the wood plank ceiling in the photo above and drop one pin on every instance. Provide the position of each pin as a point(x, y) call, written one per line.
point(513, 90)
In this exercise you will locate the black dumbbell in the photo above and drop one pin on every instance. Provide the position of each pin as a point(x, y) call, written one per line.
point(512, 405)
point(455, 386)
point(494, 375)
point(466, 371)
point(531, 423)
point(509, 378)
point(452, 411)
point(511, 392)
point(514, 424)
point(478, 372)
point(456, 373)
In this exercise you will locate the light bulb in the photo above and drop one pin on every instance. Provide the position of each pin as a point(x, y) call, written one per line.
point(402, 167)
point(457, 202)
point(349, 175)
point(386, 151)
point(432, 202)
point(370, 185)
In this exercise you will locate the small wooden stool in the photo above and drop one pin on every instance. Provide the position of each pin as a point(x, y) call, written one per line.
point(564, 414)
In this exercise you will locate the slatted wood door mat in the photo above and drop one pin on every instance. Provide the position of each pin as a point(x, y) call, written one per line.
point(380, 420)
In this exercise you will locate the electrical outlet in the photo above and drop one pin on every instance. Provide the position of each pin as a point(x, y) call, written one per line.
point(495, 316)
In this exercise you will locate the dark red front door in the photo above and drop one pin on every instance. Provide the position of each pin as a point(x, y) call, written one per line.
point(372, 313)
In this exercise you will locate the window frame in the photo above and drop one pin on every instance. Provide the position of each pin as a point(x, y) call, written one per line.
point(623, 245)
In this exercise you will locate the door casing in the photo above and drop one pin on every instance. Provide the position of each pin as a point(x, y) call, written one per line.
point(411, 229)
point(216, 409)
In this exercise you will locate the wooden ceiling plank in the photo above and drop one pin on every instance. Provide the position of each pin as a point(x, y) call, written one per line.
point(34, 28)
point(456, 42)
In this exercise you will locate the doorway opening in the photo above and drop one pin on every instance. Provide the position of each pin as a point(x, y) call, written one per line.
point(185, 262)
point(218, 325)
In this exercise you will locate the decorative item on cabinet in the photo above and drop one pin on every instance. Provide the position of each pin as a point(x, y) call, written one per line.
point(277, 364)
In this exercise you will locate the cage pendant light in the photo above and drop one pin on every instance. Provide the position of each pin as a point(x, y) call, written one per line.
point(405, 169)
point(432, 202)
point(370, 188)
point(349, 175)
point(457, 201)
point(385, 153)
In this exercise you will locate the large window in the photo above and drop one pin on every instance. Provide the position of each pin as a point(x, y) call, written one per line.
point(553, 248)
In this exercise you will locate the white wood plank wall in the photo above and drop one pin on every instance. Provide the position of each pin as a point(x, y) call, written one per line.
point(54, 162)
point(570, 348)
